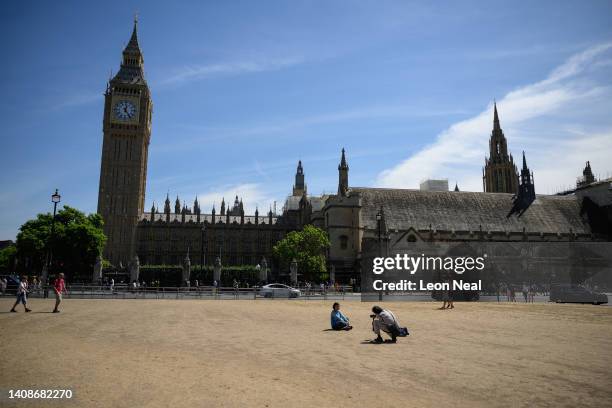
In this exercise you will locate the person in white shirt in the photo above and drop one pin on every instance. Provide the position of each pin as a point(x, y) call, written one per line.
point(22, 290)
point(384, 320)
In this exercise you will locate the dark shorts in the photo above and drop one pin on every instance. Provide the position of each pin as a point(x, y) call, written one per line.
point(22, 298)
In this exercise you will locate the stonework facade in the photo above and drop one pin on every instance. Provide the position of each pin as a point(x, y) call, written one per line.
point(123, 174)
point(355, 218)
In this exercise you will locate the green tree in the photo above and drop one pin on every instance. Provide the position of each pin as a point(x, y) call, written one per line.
point(77, 241)
point(307, 247)
point(7, 255)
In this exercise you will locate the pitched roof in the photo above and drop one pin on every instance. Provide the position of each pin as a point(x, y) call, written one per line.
point(468, 211)
point(132, 46)
point(131, 74)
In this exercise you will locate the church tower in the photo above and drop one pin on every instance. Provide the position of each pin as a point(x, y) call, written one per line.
point(125, 146)
point(299, 188)
point(587, 176)
point(343, 169)
point(500, 174)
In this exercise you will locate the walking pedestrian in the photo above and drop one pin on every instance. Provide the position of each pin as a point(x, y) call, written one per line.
point(236, 285)
point(22, 291)
point(59, 286)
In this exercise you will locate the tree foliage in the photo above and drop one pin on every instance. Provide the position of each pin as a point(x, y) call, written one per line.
point(307, 247)
point(6, 257)
point(76, 242)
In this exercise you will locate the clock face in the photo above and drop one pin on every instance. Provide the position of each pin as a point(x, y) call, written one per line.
point(124, 110)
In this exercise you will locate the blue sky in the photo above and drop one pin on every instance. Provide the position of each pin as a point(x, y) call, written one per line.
point(243, 90)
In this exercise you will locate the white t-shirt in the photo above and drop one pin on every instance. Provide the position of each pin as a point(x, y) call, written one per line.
point(23, 287)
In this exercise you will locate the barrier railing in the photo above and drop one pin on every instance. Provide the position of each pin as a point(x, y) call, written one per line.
point(77, 291)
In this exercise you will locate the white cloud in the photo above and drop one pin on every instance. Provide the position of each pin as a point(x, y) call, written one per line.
point(568, 112)
point(197, 72)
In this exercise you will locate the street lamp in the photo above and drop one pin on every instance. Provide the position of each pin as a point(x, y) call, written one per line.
point(55, 199)
point(378, 225)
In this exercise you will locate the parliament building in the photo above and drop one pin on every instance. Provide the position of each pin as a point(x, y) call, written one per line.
point(508, 210)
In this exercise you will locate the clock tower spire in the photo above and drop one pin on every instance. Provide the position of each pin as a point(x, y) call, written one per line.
point(126, 134)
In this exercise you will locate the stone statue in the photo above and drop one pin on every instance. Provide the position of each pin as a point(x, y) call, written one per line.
point(44, 274)
point(217, 270)
point(263, 272)
point(186, 268)
point(293, 268)
point(97, 270)
point(134, 269)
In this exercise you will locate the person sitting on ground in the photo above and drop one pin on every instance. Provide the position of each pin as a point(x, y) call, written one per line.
point(338, 320)
point(384, 320)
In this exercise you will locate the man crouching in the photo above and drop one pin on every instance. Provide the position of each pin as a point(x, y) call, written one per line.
point(384, 320)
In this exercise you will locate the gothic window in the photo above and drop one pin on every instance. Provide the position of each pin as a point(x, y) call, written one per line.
point(411, 238)
point(343, 242)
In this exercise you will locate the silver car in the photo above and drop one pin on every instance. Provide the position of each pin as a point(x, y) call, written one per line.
point(278, 290)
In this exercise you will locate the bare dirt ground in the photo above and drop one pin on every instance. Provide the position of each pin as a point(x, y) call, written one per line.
point(162, 353)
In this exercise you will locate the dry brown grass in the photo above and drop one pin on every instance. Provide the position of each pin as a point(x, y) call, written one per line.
point(161, 353)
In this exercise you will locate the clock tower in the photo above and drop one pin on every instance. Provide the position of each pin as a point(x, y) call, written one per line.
point(125, 146)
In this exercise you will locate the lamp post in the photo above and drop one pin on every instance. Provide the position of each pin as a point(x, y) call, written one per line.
point(55, 199)
point(378, 222)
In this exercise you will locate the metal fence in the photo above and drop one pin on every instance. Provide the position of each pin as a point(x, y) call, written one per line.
point(77, 291)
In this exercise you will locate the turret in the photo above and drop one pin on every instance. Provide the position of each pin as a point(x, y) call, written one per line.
point(500, 174)
point(343, 176)
point(587, 176)
point(241, 211)
point(196, 209)
point(196, 206)
point(177, 205)
point(132, 56)
point(299, 188)
point(167, 204)
point(167, 207)
point(526, 191)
